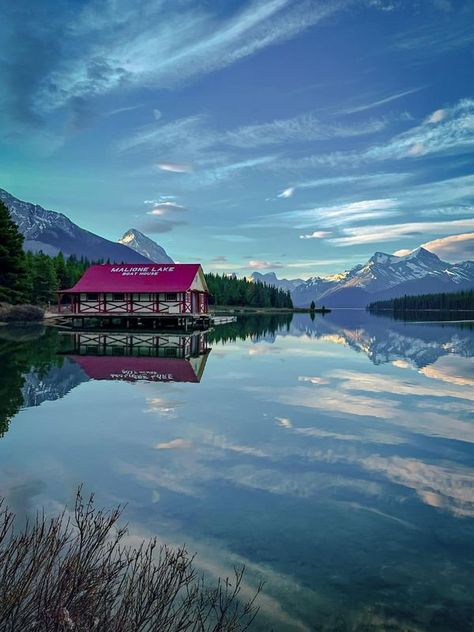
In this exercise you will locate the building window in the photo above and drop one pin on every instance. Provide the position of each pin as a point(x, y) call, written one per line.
point(92, 296)
point(118, 297)
point(144, 297)
point(171, 296)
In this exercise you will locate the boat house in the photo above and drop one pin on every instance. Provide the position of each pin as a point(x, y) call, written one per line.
point(176, 291)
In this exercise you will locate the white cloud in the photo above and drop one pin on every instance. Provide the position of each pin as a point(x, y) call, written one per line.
point(163, 208)
point(330, 216)
point(317, 234)
point(452, 248)
point(390, 232)
point(258, 264)
point(287, 193)
point(174, 444)
point(417, 149)
point(175, 167)
point(437, 116)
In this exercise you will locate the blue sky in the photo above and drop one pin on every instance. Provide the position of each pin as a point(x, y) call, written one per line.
point(285, 135)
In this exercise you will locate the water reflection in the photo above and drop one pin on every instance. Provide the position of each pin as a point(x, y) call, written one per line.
point(334, 457)
point(133, 357)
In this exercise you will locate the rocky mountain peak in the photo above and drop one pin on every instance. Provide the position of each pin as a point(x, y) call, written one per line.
point(145, 246)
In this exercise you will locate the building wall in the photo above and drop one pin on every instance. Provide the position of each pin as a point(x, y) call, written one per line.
point(143, 303)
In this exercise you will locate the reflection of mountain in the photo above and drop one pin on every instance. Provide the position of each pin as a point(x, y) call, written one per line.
point(384, 340)
point(133, 357)
point(40, 387)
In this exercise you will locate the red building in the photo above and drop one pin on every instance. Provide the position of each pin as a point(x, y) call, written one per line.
point(138, 290)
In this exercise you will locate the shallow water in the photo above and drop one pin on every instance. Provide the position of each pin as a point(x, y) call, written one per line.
point(333, 457)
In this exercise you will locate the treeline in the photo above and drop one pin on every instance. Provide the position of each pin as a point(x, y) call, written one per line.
point(452, 301)
point(229, 290)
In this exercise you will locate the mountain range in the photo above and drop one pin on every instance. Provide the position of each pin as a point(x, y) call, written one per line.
point(386, 276)
point(52, 232)
point(383, 276)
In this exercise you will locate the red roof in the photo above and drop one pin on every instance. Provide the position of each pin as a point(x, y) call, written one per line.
point(131, 369)
point(143, 277)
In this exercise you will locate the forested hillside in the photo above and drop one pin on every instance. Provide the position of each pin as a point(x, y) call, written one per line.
point(451, 301)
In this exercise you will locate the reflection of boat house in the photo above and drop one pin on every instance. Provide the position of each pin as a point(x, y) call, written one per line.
point(147, 357)
point(157, 291)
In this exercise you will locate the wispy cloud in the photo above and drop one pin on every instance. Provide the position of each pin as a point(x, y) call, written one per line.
point(446, 131)
point(302, 128)
point(286, 193)
point(258, 264)
point(163, 46)
point(433, 39)
point(316, 234)
point(374, 233)
point(378, 102)
point(174, 167)
point(337, 215)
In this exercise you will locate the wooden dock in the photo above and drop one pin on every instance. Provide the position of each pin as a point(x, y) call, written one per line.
point(134, 322)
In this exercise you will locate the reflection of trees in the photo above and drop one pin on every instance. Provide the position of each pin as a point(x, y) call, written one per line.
point(19, 353)
point(253, 326)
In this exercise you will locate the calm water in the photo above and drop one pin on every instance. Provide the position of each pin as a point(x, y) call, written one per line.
point(334, 456)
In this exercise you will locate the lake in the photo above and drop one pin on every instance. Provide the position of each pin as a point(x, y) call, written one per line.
point(332, 456)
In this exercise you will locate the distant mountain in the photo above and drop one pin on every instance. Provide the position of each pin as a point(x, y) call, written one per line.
point(386, 276)
point(52, 232)
point(270, 278)
point(145, 246)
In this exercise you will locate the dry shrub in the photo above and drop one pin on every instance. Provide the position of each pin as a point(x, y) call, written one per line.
point(76, 574)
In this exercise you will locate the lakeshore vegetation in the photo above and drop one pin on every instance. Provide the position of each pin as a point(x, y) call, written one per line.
point(76, 572)
point(28, 277)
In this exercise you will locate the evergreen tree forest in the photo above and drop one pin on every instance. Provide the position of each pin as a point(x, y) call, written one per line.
point(452, 301)
point(35, 277)
point(229, 290)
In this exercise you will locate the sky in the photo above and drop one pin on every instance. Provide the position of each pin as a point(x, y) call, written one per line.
point(294, 136)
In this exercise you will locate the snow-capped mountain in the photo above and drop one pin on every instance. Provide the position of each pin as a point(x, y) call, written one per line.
point(52, 232)
point(386, 276)
point(270, 278)
point(145, 246)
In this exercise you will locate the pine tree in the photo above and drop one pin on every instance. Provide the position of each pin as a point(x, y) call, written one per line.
point(312, 307)
point(61, 271)
point(13, 276)
point(44, 281)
